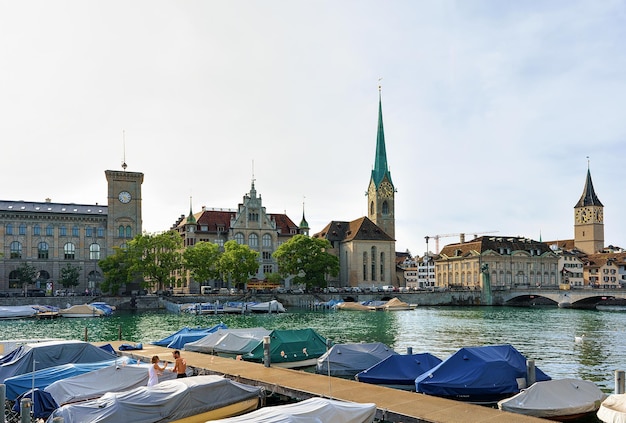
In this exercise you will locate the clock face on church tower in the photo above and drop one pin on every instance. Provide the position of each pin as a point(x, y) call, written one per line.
point(386, 190)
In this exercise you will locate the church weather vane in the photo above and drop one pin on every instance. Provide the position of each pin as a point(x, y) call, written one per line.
point(124, 165)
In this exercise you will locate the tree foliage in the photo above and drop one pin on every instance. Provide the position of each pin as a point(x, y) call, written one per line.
point(202, 261)
point(26, 274)
point(156, 258)
point(69, 275)
point(115, 269)
point(307, 260)
point(238, 262)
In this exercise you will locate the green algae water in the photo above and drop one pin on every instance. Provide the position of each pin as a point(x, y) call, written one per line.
point(546, 335)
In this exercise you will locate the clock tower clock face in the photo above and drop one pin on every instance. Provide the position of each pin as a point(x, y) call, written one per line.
point(124, 197)
point(386, 190)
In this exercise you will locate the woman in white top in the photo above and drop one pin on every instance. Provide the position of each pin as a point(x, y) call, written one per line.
point(154, 371)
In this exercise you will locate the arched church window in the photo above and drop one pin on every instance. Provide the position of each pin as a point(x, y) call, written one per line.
point(239, 238)
point(385, 208)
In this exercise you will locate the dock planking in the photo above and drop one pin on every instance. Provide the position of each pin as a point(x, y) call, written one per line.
point(393, 405)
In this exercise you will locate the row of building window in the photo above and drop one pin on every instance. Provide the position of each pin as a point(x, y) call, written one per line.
point(373, 255)
point(49, 231)
point(253, 240)
point(69, 251)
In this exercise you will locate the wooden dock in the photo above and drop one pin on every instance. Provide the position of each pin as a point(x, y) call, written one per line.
point(393, 405)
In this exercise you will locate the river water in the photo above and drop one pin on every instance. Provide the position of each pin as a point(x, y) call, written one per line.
point(546, 335)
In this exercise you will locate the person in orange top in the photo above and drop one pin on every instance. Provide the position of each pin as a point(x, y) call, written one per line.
point(180, 365)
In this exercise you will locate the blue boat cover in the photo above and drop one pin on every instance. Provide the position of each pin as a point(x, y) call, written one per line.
point(31, 357)
point(17, 385)
point(289, 346)
point(108, 348)
point(42, 403)
point(399, 369)
point(478, 374)
point(347, 360)
point(177, 340)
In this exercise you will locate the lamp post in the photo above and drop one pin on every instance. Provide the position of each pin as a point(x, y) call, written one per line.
point(426, 260)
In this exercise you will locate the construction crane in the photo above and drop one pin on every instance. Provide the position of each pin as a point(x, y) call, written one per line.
point(461, 236)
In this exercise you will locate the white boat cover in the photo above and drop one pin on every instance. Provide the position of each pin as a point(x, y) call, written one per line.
point(114, 378)
point(313, 410)
point(269, 306)
point(613, 409)
point(48, 354)
point(555, 398)
point(347, 360)
point(229, 341)
point(167, 401)
point(16, 312)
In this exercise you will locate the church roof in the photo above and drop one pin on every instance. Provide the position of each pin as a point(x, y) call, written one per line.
point(361, 229)
point(589, 197)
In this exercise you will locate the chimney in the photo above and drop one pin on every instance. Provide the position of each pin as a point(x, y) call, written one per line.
point(462, 238)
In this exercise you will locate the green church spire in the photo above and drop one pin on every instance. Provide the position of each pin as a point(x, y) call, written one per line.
point(380, 164)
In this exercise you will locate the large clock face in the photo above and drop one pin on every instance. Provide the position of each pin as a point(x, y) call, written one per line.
point(584, 215)
point(386, 190)
point(124, 197)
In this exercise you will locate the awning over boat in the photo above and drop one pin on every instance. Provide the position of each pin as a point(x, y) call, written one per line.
point(399, 369)
point(229, 341)
point(478, 374)
point(311, 410)
point(288, 346)
point(178, 339)
point(349, 359)
point(49, 354)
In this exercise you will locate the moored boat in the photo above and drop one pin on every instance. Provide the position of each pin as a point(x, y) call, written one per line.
point(190, 400)
point(398, 370)
point(613, 409)
point(229, 342)
point(17, 312)
point(559, 399)
point(480, 375)
point(311, 410)
point(272, 306)
point(290, 348)
point(396, 304)
point(182, 337)
point(346, 360)
point(82, 310)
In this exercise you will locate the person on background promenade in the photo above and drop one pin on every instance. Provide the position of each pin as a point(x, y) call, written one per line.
point(155, 370)
point(180, 365)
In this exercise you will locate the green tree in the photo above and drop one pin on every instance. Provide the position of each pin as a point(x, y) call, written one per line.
point(26, 275)
point(156, 258)
point(307, 260)
point(115, 269)
point(69, 275)
point(202, 261)
point(273, 277)
point(238, 262)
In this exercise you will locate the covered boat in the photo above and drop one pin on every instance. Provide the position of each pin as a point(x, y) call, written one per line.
point(272, 306)
point(17, 385)
point(560, 399)
point(613, 409)
point(396, 304)
point(113, 378)
point(398, 371)
point(17, 312)
point(352, 306)
point(194, 399)
point(311, 410)
point(346, 360)
point(291, 348)
point(482, 375)
point(82, 310)
point(179, 339)
point(229, 342)
point(32, 357)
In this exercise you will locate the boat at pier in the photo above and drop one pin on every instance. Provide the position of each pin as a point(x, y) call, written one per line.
point(290, 348)
point(398, 370)
point(190, 400)
point(346, 360)
point(182, 337)
point(82, 310)
point(229, 342)
point(17, 312)
point(559, 399)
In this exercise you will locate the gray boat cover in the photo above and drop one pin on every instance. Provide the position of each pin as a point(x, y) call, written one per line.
point(48, 354)
point(347, 360)
point(167, 401)
point(229, 341)
point(555, 398)
point(114, 378)
point(309, 411)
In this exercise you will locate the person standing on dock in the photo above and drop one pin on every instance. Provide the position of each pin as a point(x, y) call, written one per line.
point(180, 365)
point(155, 370)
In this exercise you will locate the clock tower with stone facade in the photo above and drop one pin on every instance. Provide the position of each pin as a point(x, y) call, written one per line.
point(589, 220)
point(124, 206)
point(381, 191)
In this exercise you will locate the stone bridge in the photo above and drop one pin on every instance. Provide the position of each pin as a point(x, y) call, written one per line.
point(573, 297)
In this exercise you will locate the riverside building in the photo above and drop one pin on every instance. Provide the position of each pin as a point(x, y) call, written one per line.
point(50, 236)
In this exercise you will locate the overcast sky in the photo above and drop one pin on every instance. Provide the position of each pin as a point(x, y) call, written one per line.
point(490, 108)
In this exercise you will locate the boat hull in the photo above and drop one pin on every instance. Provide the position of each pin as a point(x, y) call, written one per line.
point(223, 412)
